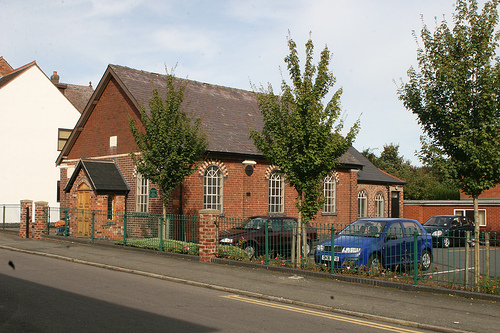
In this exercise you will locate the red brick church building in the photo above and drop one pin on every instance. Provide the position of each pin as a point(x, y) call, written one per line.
point(97, 172)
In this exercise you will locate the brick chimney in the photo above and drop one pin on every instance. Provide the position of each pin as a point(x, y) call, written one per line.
point(55, 78)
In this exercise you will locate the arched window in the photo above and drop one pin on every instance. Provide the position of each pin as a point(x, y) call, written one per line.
point(379, 205)
point(212, 188)
point(362, 204)
point(142, 194)
point(111, 207)
point(276, 193)
point(330, 194)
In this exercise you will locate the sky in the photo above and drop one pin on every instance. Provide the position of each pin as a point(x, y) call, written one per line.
point(236, 44)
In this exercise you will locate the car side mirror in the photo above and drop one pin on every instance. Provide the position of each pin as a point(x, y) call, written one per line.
point(391, 237)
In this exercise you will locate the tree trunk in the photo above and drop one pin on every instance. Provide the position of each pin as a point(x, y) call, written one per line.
point(477, 269)
point(299, 232)
point(166, 227)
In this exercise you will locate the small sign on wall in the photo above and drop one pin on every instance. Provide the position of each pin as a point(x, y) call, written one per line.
point(153, 193)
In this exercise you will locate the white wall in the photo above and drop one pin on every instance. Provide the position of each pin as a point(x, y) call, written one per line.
point(31, 111)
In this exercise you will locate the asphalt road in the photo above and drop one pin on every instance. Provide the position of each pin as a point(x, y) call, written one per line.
point(41, 294)
point(450, 263)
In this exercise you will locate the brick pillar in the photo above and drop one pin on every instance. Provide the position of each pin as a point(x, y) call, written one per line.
point(41, 218)
point(26, 205)
point(208, 234)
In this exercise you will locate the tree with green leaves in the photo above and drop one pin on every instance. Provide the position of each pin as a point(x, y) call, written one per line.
point(171, 144)
point(456, 97)
point(301, 135)
point(427, 182)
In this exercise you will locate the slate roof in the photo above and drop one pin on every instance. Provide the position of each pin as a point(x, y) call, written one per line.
point(104, 176)
point(77, 95)
point(226, 115)
point(4, 80)
point(370, 174)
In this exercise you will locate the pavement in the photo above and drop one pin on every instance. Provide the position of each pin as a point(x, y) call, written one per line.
point(435, 309)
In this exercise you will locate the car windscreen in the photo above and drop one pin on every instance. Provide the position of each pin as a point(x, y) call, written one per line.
point(254, 224)
point(437, 221)
point(364, 228)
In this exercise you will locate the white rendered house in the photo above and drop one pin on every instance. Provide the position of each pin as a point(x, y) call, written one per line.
point(32, 109)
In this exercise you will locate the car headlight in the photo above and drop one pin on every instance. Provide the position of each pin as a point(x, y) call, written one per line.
point(226, 240)
point(320, 247)
point(437, 233)
point(351, 250)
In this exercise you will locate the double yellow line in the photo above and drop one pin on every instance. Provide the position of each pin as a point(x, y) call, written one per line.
point(319, 314)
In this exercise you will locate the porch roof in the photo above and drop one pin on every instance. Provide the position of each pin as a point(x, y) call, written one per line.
point(104, 176)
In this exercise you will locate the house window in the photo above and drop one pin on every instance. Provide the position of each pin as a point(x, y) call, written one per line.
point(62, 137)
point(379, 205)
point(212, 188)
point(276, 193)
point(111, 207)
point(330, 194)
point(142, 194)
point(362, 204)
point(470, 214)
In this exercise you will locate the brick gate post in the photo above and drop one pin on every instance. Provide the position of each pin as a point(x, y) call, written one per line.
point(41, 218)
point(208, 234)
point(26, 205)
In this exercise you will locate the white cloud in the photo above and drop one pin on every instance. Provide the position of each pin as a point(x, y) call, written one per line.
point(229, 42)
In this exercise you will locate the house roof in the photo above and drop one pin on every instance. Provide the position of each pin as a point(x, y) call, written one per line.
point(104, 176)
point(370, 174)
point(226, 115)
point(5, 67)
point(4, 80)
point(76, 94)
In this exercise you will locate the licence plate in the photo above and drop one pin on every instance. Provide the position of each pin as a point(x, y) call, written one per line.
point(326, 257)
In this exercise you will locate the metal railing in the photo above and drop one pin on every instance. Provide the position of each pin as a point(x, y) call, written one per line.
point(172, 233)
point(10, 215)
point(407, 255)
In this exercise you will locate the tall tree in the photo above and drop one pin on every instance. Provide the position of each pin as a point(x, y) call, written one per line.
point(422, 182)
point(300, 134)
point(456, 97)
point(171, 144)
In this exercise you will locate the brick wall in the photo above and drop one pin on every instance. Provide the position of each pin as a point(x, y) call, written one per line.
point(423, 210)
point(114, 110)
point(244, 195)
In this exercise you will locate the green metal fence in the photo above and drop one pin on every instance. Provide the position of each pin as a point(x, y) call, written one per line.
point(10, 214)
point(172, 233)
point(403, 253)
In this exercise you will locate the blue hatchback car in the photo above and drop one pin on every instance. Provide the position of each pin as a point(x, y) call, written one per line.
point(377, 243)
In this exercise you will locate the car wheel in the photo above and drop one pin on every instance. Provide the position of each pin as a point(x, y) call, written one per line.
point(249, 248)
point(446, 242)
point(425, 260)
point(374, 262)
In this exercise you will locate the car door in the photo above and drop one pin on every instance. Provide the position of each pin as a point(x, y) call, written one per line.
point(465, 225)
point(258, 233)
point(394, 248)
point(409, 243)
point(274, 233)
point(456, 229)
point(289, 224)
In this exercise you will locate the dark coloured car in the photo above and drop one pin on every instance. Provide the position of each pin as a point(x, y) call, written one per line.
point(449, 230)
point(377, 243)
point(251, 235)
